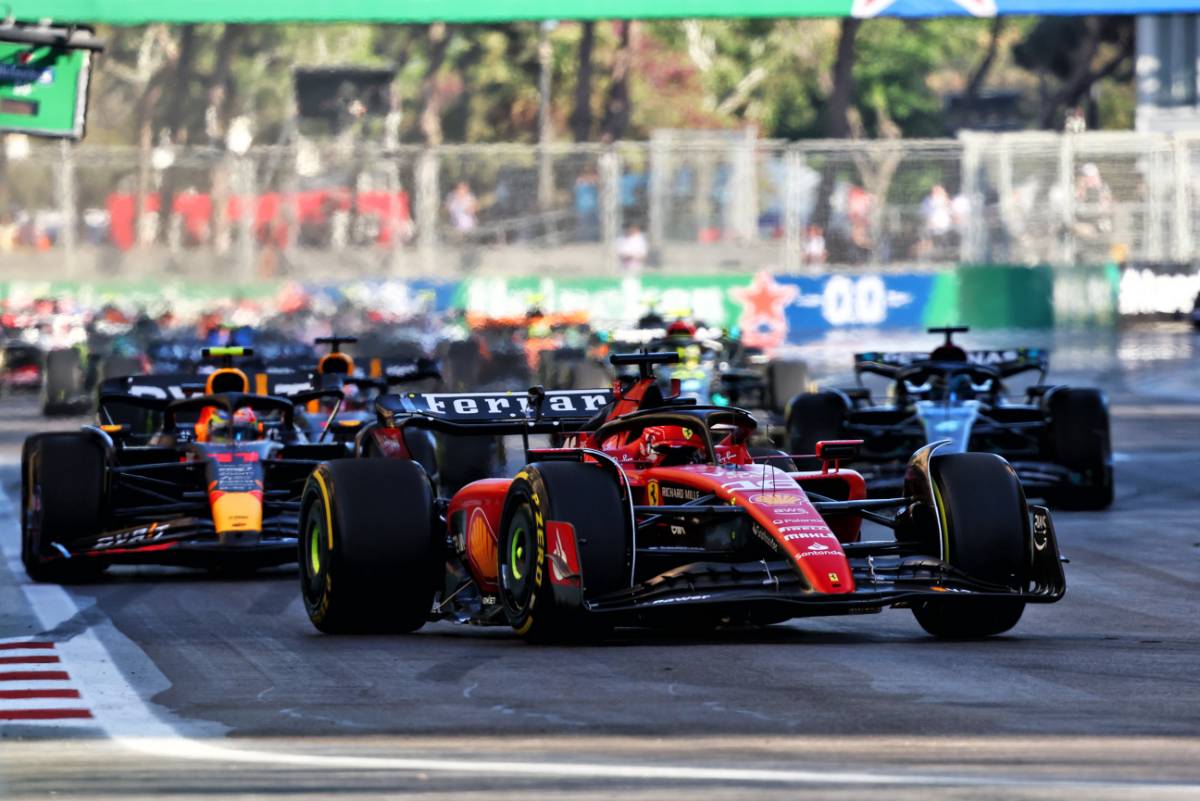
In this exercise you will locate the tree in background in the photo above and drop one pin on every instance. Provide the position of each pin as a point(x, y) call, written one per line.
point(581, 114)
point(1070, 56)
point(787, 78)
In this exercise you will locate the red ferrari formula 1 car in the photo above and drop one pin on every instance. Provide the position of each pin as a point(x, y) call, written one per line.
point(655, 512)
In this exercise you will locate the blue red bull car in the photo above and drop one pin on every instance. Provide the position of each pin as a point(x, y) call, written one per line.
point(656, 512)
point(171, 474)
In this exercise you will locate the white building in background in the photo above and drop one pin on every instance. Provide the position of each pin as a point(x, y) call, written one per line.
point(1168, 99)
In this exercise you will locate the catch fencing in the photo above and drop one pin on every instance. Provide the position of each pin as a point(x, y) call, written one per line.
point(702, 203)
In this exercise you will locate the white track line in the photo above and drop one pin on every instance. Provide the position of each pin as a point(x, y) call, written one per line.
point(22, 704)
point(126, 717)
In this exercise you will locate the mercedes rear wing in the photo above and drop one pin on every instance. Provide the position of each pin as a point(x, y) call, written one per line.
point(1006, 362)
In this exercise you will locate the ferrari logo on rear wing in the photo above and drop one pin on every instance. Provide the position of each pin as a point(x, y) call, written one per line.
point(500, 406)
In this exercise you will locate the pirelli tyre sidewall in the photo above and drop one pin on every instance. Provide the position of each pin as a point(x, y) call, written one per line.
point(368, 546)
point(588, 498)
point(986, 534)
point(525, 590)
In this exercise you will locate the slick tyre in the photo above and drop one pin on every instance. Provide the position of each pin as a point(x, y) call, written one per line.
point(774, 457)
point(985, 523)
point(423, 449)
point(590, 374)
point(811, 418)
point(462, 365)
point(1082, 441)
point(463, 459)
point(552, 510)
point(64, 382)
point(369, 555)
point(62, 501)
point(785, 379)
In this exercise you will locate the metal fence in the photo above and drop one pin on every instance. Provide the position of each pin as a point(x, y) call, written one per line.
point(715, 202)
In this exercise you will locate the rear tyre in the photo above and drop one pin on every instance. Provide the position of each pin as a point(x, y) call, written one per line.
point(590, 374)
point(462, 365)
point(773, 457)
point(1082, 442)
point(64, 382)
point(370, 559)
point(786, 378)
point(463, 459)
point(62, 501)
point(985, 534)
point(423, 449)
point(542, 600)
point(811, 418)
point(506, 369)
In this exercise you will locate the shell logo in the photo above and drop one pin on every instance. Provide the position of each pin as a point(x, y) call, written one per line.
point(481, 542)
point(777, 499)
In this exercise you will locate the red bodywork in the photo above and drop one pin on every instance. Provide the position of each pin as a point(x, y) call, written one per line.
point(784, 519)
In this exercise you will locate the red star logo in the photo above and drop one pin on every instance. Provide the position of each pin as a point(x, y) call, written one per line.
point(763, 321)
point(764, 297)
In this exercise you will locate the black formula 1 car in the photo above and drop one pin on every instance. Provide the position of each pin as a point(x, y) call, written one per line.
point(713, 367)
point(216, 484)
point(655, 512)
point(1057, 438)
point(21, 367)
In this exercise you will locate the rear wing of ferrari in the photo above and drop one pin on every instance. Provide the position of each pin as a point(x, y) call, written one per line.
point(494, 413)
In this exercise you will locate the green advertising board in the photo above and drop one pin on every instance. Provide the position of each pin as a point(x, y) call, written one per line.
point(43, 89)
point(614, 300)
point(44, 73)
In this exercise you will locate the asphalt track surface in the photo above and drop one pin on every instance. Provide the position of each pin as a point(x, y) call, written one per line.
point(199, 687)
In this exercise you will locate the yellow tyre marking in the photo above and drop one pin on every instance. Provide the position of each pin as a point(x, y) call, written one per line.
point(328, 513)
point(941, 510)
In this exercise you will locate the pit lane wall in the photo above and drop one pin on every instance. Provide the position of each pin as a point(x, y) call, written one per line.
point(768, 308)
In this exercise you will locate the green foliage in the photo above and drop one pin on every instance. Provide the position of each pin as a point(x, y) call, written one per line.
point(771, 74)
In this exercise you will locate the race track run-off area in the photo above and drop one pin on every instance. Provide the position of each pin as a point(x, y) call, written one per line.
point(180, 684)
